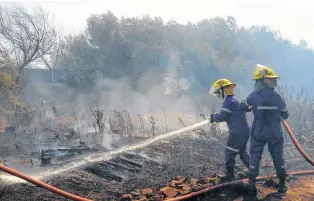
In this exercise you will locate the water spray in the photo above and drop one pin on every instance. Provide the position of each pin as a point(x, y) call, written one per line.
point(107, 155)
point(93, 158)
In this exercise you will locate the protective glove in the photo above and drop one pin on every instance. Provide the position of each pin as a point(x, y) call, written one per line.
point(249, 109)
point(211, 118)
point(244, 106)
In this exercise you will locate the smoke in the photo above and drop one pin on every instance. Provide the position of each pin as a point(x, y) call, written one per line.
point(164, 97)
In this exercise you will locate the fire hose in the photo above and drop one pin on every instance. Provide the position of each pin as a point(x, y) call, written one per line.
point(77, 198)
point(298, 173)
point(263, 178)
point(41, 184)
point(296, 143)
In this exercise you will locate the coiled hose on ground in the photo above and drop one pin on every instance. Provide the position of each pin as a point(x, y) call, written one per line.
point(77, 198)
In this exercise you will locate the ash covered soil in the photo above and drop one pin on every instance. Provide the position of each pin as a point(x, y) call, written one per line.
point(157, 165)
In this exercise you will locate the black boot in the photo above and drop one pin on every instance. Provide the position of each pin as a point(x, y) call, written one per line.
point(282, 185)
point(252, 191)
point(229, 175)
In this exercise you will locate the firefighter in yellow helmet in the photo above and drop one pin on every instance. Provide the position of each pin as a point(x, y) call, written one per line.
point(268, 109)
point(263, 77)
point(235, 118)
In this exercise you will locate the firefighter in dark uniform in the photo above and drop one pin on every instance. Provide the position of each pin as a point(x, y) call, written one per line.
point(235, 117)
point(269, 109)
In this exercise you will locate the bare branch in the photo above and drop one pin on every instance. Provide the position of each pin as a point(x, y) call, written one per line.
point(28, 36)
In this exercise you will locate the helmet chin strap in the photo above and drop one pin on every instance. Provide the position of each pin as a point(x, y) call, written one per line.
point(221, 94)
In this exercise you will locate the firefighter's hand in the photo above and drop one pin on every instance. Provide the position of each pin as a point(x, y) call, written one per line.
point(249, 109)
point(245, 107)
point(211, 118)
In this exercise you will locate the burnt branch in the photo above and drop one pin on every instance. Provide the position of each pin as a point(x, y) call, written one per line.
point(99, 118)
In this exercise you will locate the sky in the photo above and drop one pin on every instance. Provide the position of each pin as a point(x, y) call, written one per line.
point(292, 18)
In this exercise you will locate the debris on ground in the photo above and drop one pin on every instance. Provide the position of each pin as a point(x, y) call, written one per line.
point(155, 172)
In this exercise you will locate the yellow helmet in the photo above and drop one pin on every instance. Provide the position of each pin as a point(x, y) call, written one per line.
point(264, 72)
point(219, 84)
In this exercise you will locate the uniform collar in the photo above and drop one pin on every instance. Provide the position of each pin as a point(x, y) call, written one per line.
point(228, 96)
point(268, 88)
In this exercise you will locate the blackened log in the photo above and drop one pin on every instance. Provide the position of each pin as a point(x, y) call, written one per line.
point(130, 161)
point(103, 173)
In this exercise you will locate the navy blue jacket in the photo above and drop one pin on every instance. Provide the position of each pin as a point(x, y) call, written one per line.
point(234, 116)
point(268, 109)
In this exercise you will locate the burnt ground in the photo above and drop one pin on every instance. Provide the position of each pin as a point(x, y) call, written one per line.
point(154, 167)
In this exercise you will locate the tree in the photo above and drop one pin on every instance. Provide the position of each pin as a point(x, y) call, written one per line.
point(197, 52)
point(27, 36)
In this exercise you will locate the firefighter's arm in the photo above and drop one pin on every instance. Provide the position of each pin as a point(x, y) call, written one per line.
point(246, 104)
point(284, 113)
point(224, 113)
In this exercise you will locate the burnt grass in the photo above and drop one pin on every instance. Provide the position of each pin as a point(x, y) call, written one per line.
point(185, 155)
point(189, 155)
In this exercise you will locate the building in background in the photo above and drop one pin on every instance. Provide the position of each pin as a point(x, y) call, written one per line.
point(41, 75)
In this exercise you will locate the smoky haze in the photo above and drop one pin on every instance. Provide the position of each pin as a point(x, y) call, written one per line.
point(149, 67)
point(165, 100)
point(157, 72)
